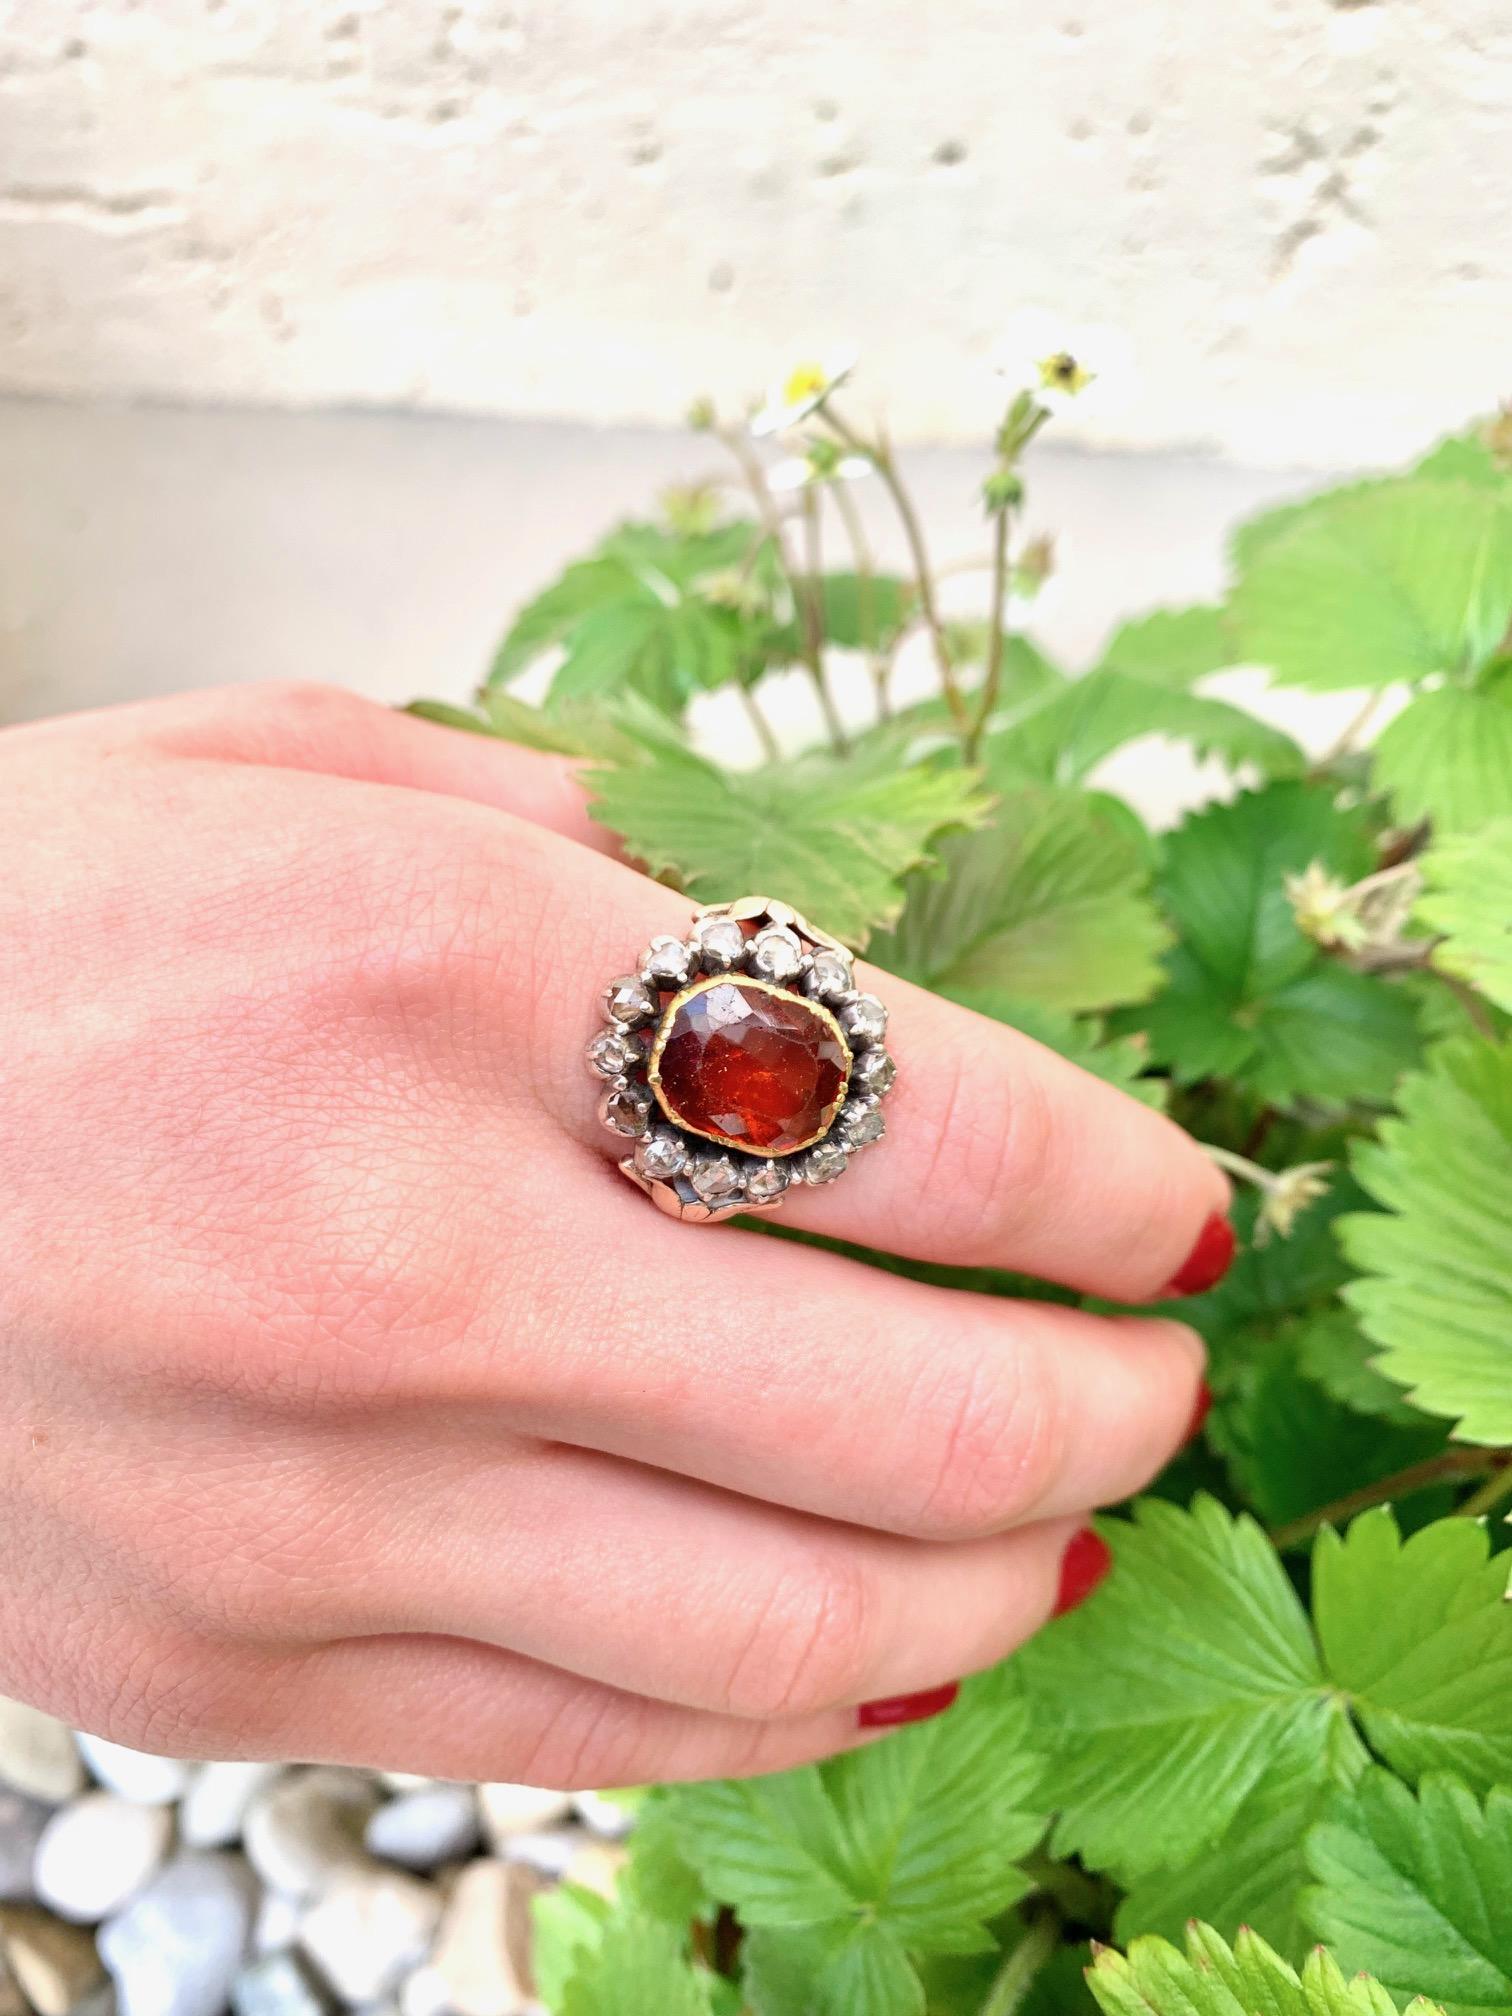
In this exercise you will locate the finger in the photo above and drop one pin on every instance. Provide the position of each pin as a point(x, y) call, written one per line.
point(339, 734)
point(805, 1379)
point(448, 1708)
point(759, 1612)
point(998, 1151)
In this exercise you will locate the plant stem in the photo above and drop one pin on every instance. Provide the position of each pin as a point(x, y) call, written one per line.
point(1016, 1975)
point(763, 727)
point(993, 677)
point(815, 658)
point(810, 615)
point(881, 457)
point(1353, 729)
point(1497, 1487)
point(1441, 1469)
point(1239, 1165)
point(866, 597)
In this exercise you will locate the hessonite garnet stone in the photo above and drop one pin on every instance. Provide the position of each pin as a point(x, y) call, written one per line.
point(752, 1066)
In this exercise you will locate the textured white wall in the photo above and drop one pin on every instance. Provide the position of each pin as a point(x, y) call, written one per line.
point(1299, 208)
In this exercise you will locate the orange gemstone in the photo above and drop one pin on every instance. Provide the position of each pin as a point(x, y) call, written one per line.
point(751, 1066)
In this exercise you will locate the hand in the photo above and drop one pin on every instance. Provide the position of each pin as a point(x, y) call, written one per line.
point(356, 1408)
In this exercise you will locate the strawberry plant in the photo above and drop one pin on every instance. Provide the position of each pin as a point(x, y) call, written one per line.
point(1269, 1766)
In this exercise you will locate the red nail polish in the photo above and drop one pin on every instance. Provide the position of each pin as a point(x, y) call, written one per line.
point(1083, 1565)
point(908, 1707)
point(1200, 1413)
point(1209, 1260)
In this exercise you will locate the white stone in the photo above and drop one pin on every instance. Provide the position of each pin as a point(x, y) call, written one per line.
point(280, 1984)
point(369, 1930)
point(596, 1865)
point(437, 1823)
point(54, 1965)
point(176, 1948)
point(276, 1925)
point(97, 1853)
point(135, 1774)
point(477, 1968)
point(606, 1817)
point(308, 1827)
point(519, 1809)
point(548, 1851)
point(37, 1754)
point(22, 1823)
point(216, 1803)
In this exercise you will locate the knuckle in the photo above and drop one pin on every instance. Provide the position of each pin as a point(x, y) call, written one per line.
point(809, 1647)
point(179, 1696)
point(992, 1439)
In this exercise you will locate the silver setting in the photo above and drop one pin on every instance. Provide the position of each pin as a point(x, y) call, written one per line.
point(694, 1179)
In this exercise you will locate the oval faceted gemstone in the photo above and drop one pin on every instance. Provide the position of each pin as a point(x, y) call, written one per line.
point(753, 1066)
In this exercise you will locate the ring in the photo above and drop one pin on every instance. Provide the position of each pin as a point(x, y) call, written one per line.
point(740, 1060)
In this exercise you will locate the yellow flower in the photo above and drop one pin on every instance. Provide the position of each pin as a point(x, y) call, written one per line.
point(1287, 1196)
point(805, 388)
point(1061, 372)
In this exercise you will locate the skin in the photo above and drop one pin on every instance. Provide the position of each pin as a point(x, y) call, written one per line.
point(353, 1407)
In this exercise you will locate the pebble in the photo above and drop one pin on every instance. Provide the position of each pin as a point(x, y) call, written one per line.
point(438, 1823)
point(282, 1984)
point(549, 1854)
point(22, 1822)
point(216, 1802)
point(307, 1829)
point(37, 1754)
point(135, 1774)
point(519, 1809)
point(606, 1817)
point(276, 1926)
point(480, 1964)
point(12, 2001)
point(96, 1854)
point(368, 1931)
point(54, 1966)
point(596, 1866)
point(177, 1946)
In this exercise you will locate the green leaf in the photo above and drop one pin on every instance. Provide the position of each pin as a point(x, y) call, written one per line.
point(1248, 996)
point(1168, 1698)
point(1049, 904)
point(1469, 899)
point(1331, 1351)
point(1255, 1875)
point(1212, 1979)
point(862, 616)
point(1400, 581)
point(1119, 1061)
point(1448, 757)
point(1172, 647)
point(1464, 458)
point(907, 1846)
point(1419, 1891)
point(636, 1969)
point(1438, 1289)
point(567, 1924)
point(807, 1974)
point(1071, 731)
point(1418, 1633)
point(836, 837)
point(1292, 1447)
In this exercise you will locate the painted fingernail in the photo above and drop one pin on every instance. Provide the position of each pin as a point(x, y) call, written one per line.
point(1200, 1413)
point(1209, 1260)
point(1083, 1565)
point(908, 1707)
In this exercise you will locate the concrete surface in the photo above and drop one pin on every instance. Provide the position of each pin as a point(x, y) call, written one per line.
point(1297, 208)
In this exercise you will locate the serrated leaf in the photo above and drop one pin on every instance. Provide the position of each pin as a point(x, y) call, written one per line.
point(1448, 757)
point(1213, 1979)
point(835, 837)
point(1437, 1288)
point(1256, 1874)
point(636, 1968)
point(1171, 1695)
point(1071, 731)
point(1172, 647)
point(1081, 1040)
point(1464, 458)
point(805, 1974)
point(1468, 898)
point(1049, 904)
point(862, 615)
point(1418, 1633)
point(567, 1923)
point(1248, 996)
point(1418, 1891)
point(1332, 1351)
point(906, 1846)
point(1400, 581)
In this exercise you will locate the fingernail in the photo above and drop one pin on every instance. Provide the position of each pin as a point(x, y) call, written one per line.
point(908, 1707)
point(1208, 1262)
point(1083, 1565)
point(1199, 1414)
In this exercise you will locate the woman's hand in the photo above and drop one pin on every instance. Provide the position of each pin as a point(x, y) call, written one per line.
point(355, 1407)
